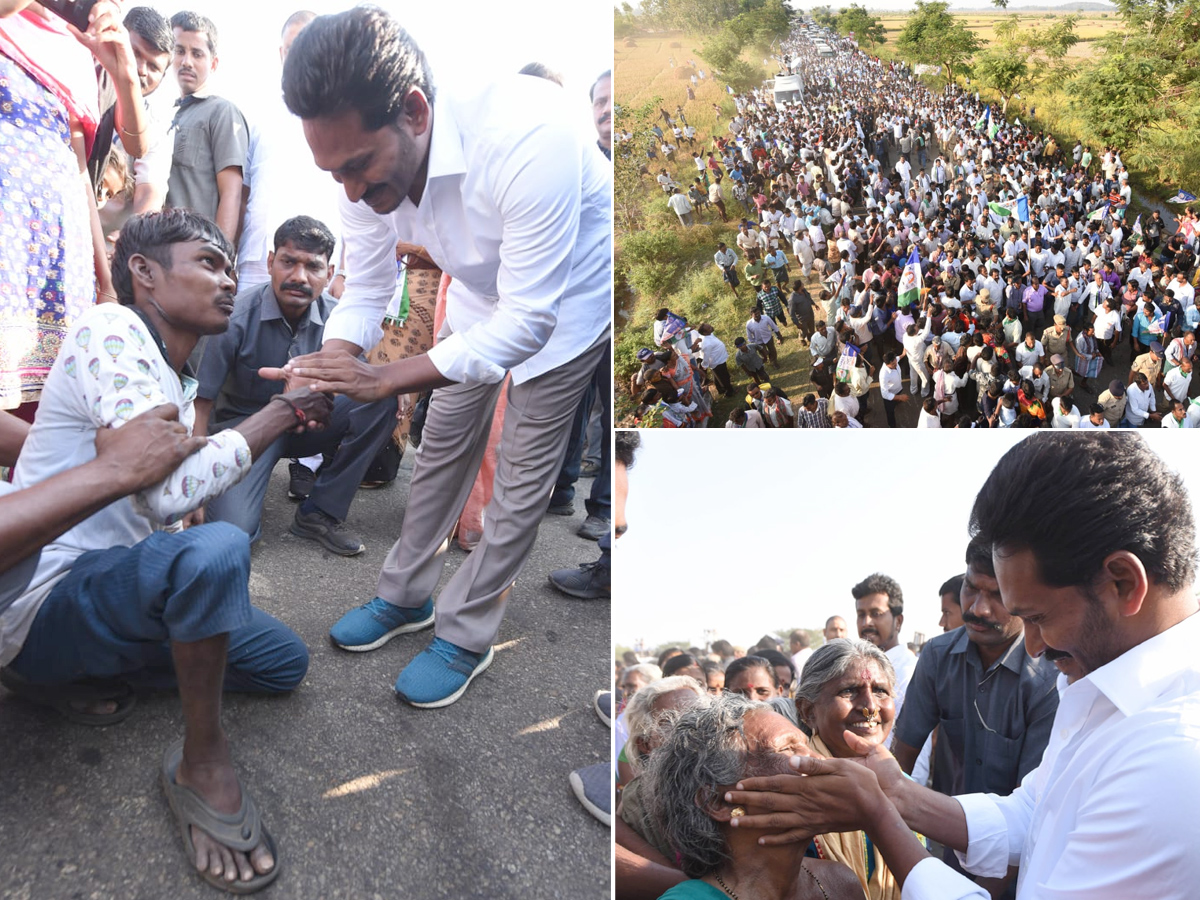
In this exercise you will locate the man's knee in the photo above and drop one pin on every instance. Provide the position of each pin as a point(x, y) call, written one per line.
point(265, 656)
point(216, 553)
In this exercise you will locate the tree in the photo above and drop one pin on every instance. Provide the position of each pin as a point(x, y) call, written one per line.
point(932, 35)
point(1020, 58)
point(824, 16)
point(866, 28)
point(1143, 93)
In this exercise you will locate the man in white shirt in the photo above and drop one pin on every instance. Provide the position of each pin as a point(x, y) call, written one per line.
point(682, 207)
point(1178, 381)
point(1111, 811)
point(512, 202)
point(879, 605)
point(1139, 405)
point(891, 386)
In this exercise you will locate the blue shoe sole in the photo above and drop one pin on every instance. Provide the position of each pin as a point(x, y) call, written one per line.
point(446, 701)
point(406, 628)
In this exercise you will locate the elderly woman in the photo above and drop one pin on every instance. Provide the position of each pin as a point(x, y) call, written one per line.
point(710, 748)
point(849, 686)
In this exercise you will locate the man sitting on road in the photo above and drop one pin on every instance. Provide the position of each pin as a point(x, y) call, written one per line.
point(120, 597)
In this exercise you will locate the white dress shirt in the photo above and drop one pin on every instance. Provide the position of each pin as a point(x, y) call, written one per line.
point(517, 209)
point(1111, 811)
point(890, 382)
point(713, 349)
point(1140, 403)
point(904, 661)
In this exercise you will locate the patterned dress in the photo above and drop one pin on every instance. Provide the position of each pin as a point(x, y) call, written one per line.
point(46, 266)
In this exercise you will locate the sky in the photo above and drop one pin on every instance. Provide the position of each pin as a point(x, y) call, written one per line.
point(465, 40)
point(733, 534)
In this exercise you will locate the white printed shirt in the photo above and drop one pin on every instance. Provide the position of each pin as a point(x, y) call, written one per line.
point(108, 371)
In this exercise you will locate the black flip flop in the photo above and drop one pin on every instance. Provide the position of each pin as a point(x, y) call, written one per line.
point(61, 697)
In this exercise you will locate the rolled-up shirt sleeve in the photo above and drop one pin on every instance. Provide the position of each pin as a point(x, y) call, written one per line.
point(371, 280)
point(535, 187)
point(996, 830)
point(931, 879)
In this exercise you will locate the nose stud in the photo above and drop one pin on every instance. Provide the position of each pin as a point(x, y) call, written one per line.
point(871, 715)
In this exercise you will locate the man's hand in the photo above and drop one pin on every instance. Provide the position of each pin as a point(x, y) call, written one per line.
point(316, 407)
point(146, 449)
point(335, 371)
point(825, 796)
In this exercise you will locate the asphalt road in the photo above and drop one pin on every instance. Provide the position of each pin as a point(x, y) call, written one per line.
point(365, 796)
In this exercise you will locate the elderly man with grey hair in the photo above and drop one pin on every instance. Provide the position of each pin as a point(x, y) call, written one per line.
point(710, 747)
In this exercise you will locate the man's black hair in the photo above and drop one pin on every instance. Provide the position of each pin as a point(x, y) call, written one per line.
point(979, 557)
point(628, 443)
point(149, 24)
point(607, 73)
point(952, 586)
point(307, 234)
point(360, 60)
point(152, 234)
point(881, 584)
point(190, 21)
point(749, 661)
point(1105, 492)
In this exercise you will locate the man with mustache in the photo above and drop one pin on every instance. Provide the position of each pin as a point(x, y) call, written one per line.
point(995, 704)
point(271, 324)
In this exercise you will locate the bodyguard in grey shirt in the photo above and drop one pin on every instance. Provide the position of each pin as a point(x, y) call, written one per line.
point(994, 704)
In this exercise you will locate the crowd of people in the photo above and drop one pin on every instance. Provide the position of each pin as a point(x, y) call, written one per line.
point(175, 354)
point(912, 235)
point(1021, 754)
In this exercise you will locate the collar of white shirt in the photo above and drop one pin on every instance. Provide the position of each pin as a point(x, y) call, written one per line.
point(1136, 678)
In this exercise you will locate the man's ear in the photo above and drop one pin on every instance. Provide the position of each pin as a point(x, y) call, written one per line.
point(713, 804)
point(142, 271)
point(417, 111)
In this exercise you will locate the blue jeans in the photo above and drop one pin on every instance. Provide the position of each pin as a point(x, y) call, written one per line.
point(599, 502)
point(115, 614)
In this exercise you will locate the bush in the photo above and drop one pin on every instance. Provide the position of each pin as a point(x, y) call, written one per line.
point(651, 261)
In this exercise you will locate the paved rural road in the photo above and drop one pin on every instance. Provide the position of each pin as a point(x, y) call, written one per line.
point(366, 797)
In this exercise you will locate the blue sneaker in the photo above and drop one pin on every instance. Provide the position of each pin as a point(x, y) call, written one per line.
point(440, 674)
point(373, 625)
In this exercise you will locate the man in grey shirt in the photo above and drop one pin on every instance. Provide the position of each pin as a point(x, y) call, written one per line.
point(210, 134)
point(271, 324)
point(995, 704)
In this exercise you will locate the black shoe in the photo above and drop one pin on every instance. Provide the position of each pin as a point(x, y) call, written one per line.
point(594, 528)
point(332, 534)
point(563, 509)
point(300, 481)
point(589, 582)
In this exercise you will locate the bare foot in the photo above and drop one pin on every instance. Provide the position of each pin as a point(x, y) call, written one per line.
point(216, 783)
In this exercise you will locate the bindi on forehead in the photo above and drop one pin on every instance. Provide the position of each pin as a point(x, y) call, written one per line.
point(865, 675)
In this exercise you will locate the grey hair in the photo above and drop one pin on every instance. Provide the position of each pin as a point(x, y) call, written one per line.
point(648, 671)
point(640, 718)
point(832, 661)
point(705, 748)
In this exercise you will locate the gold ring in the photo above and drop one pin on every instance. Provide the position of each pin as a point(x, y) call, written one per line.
point(737, 812)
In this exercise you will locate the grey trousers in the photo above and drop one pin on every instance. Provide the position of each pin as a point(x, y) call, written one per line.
point(537, 426)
